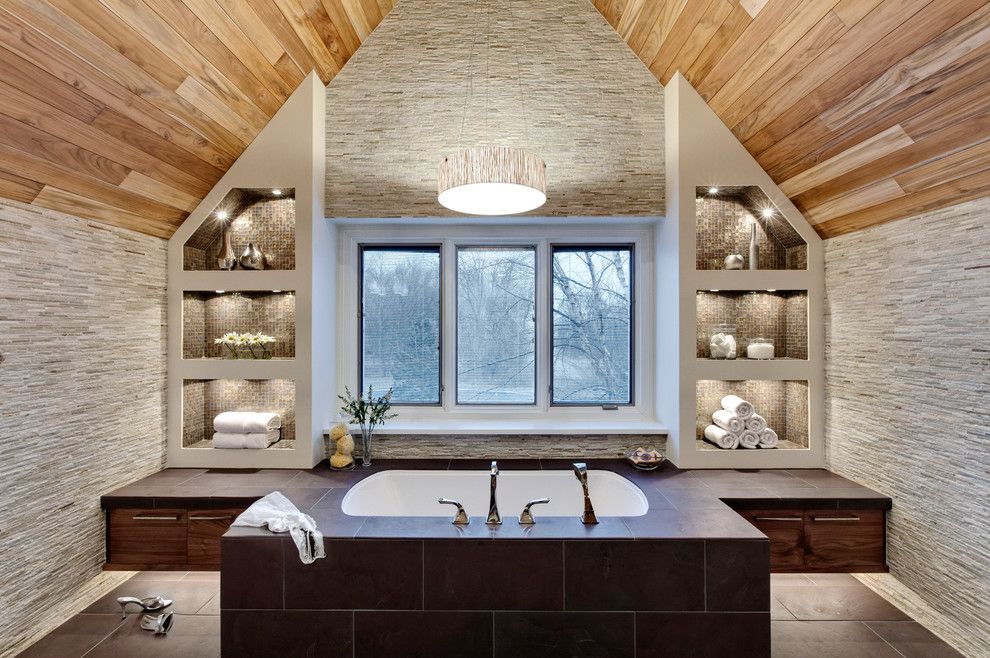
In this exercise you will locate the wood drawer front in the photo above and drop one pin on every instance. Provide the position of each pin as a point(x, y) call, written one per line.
point(205, 529)
point(147, 537)
point(785, 528)
point(844, 540)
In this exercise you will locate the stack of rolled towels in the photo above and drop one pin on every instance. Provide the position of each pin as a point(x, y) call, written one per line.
point(737, 424)
point(246, 429)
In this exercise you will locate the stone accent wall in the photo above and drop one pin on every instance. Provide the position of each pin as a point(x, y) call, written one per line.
point(908, 385)
point(555, 79)
point(82, 402)
point(504, 446)
point(781, 317)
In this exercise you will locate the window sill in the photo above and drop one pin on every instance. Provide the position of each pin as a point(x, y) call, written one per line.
point(467, 427)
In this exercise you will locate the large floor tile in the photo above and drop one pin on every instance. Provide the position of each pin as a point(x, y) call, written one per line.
point(912, 639)
point(187, 596)
point(190, 637)
point(75, 637)
point(826, 639)
point(831, 603)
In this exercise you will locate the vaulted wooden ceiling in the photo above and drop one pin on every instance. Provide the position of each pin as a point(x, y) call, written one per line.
point(863, 111)
point(128, 111)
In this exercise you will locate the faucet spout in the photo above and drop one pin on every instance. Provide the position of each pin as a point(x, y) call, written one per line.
point(581, 473)
point(494, 518)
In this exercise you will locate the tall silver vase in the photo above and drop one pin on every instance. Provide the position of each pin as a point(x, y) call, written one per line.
point(226, 259)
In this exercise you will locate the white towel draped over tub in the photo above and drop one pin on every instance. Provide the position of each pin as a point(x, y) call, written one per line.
point(728, 421)
point(721, 437)
point(738, 406)
point(756, 423)
point(280, 515)
point(247, 422)
point(254, 441)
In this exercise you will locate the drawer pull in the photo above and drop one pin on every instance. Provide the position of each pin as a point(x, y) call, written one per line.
point(153, 517)
point(211, 518)
point(778, 518)
point(835, 518)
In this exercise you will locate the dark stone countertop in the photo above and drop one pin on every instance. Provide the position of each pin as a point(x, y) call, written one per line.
point(684, 504)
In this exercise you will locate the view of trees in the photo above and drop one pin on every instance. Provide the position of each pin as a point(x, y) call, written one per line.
point(496, 328)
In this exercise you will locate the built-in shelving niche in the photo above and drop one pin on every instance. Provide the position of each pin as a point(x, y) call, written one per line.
point(724, 217)
point(783, 403)
point(203, 399)
point(207, 315)
point(265, 217)
point(779, 316)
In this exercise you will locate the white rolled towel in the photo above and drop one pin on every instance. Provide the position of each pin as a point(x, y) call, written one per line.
point(756, 423)
point(247, 422)
point(738, 406)
point(253, 441)
point(721, 437)
point(728, 421)
point(768, 438)
point(749, 439)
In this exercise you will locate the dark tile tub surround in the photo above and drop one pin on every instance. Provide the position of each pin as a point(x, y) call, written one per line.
point(690, 577)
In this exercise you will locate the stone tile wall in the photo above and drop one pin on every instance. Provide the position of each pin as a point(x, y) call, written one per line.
point(781, 317)
point(436, 76)
point(208, 315)
point(783, 403)
point(506, 446)
point(82, 402)
point(907, 413)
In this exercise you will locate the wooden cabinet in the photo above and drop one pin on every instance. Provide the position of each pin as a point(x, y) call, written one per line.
point(165, 539)
point(842, 541)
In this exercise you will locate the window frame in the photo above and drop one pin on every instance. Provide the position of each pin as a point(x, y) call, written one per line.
point(633, 275)
point(417, 248)
point(458, 247)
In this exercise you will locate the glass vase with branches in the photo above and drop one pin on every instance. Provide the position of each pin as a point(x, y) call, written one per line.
point(368, 412)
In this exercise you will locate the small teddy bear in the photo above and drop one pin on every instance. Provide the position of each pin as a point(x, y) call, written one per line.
point(345, 446)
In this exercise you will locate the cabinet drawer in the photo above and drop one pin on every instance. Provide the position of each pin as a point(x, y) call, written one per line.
point(785, 528)
point(147, 537)
point(205, 529)
point(844, 540)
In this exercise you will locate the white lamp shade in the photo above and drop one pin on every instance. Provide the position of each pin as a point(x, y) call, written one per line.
point(492, 180)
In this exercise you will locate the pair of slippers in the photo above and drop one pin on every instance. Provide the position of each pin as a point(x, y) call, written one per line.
point(153, 618)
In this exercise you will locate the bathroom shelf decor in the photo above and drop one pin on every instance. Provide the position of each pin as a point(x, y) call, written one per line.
point(368, 413)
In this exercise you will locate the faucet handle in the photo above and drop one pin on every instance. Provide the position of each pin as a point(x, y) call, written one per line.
point(461, 517)
point(494, 467)
point(526, 518)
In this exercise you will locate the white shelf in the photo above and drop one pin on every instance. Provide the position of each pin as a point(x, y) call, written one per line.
point(741, 369)
point(236, 280)
point(705, 446)
point(207, 444)
point(237, 369)
point(750, 279)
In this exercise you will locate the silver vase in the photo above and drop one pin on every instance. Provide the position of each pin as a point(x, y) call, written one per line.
point(226, 259)
point(252, 258)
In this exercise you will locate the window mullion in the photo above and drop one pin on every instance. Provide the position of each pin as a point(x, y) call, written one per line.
point(543, 323)
point(448, 322)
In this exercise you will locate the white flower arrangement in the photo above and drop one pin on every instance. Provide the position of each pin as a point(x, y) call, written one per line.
point(236, 342)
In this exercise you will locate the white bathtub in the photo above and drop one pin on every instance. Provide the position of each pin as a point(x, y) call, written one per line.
point(415, 493)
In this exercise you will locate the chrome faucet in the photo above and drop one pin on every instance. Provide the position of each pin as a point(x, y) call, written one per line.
point(581, 473)
point(494, 518)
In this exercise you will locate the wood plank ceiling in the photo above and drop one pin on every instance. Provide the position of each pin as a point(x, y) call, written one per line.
point(129, 111)
point(863, 111)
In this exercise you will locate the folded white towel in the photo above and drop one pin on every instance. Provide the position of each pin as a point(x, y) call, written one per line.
point(749, 439)
point(756, 423)
point(768, 438)
point(728, 421)
point(247, 422)
point(738, 406)
point(255, 441)
point(280, 515)
point(720, 437)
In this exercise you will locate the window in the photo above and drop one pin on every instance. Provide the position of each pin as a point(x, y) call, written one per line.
point(400, 322)
point(496, 330)
point(592, 320)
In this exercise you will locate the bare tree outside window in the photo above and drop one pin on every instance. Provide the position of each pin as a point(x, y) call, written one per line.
point(592, 313)
point(400, 323)
point(496, 332)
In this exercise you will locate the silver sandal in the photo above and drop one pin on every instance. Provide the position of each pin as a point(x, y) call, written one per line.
point(160, 624)
point(149, 604)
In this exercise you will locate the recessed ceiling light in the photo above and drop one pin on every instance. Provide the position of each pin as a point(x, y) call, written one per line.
point(771, 290)
point(221, 214)
point(219, 292)
point(713, 290)
point(768, 212)
point(276, 291)
point(713, 190)
point(277, 192)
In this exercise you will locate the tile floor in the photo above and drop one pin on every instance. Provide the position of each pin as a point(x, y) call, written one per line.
point(821, 615)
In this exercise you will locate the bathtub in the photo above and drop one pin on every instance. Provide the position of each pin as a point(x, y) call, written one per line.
point(415, 493)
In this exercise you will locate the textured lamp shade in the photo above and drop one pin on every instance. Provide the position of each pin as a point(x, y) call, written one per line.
point(492, 180)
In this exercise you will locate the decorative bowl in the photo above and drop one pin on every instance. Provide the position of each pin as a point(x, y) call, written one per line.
point(645, 459)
